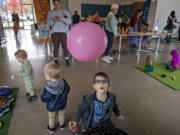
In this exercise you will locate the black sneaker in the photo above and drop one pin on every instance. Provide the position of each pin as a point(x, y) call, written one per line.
point(27, 94)
point(62, 127)
point(56, 61)
point(50, 130)
point(32, 98)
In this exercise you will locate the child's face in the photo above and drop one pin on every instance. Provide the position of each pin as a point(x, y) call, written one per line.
point(19, 59)
point(101, 85)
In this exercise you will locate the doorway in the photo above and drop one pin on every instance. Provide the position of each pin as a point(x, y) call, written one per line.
point(24, 9)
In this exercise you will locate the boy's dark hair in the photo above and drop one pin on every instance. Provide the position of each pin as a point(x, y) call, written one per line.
point(57, 1)
point(102, 74)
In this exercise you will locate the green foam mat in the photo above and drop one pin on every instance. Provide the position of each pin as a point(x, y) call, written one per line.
point(6, 118)
point(159, 69)
point(175, 41)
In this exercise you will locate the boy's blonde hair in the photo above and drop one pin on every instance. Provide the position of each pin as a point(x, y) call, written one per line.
point(21, 54)
point(52, 70)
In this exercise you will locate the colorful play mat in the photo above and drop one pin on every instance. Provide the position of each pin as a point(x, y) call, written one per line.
point(171, 79)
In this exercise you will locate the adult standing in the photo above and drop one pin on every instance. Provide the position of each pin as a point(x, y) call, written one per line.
point(135, 24)
point(124, 19)
point(75, 18)
point(1, 30)
point(179, 31)
point(59, 21)
point(170, 25)
point(111, 31)
point(15, 18)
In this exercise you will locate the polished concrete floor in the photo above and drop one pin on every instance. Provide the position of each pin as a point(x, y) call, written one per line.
point(149, 107)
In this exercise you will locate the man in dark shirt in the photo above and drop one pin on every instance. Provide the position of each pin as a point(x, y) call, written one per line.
point(75, 18)
point(179, 33)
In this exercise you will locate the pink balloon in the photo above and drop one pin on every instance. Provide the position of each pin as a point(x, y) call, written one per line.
point(86, 41)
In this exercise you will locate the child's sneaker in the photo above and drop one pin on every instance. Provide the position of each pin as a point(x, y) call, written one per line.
point(51, 130)
point(27, 94)
point(61, 127)
point(32, 98)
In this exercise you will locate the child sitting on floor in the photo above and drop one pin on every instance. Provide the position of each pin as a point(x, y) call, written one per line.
point(96, 108)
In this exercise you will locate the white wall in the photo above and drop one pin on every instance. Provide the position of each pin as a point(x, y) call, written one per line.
point(76, 4)
point(152, 13)
point(164, 7)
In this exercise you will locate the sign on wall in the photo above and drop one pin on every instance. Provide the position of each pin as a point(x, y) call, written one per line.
point(44, 31)
point(42, 10)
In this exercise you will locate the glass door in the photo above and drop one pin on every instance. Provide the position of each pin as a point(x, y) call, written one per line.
point(27, 13)
point(13, 6)
point(27, 16)
point(24, 9)
point(6, 16)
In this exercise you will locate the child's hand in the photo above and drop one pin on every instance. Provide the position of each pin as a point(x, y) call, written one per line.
point(121, 117)
point(16, 74)
point(72, 123)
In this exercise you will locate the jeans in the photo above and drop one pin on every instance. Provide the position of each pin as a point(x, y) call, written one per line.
point(110, 37)
point(168, 38)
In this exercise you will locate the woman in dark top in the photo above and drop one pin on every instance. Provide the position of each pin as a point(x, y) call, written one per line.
point(135, 24)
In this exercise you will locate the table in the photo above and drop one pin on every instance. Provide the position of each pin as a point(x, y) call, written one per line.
point(141, 35)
